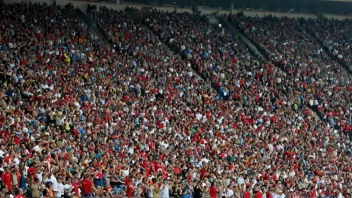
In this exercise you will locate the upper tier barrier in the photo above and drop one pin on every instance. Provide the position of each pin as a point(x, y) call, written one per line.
point(81, 4)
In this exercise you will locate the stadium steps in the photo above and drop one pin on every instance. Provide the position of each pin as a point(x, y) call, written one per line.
point(306, 28)
point(242, 39)
point(172, 54)
point(257, 51)
point(91, 26)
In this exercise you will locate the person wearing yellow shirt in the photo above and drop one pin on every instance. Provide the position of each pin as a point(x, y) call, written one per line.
point(67, 59)
point(85, 76)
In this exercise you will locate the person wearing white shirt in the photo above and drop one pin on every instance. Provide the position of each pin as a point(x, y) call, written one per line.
point(130, 150)
point(40, 175)
point(278, 194)
point(240, 180)
point(165, 190)
point(126, 172)
point(339, 195)
point(50, 178)
point(59, 188)
point(16, 161)
point(205, 160)
point(228, 192)
point(1, 151)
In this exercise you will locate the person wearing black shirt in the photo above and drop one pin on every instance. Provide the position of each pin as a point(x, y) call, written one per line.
point(176, 190)
point(197, 190)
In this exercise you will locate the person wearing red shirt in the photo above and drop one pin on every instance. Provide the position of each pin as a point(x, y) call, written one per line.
point(75, 185)
point(246, 194)
point(129, 188)
point(8, 159)
point(203, 171)
point(32, 170)
point(6, 178)
point(312, 193)
point(20, 194)
point(145, 164)
point(268, 194)
point(98, 179)
point(259, 194)
point(213, 191)
point(87, 187)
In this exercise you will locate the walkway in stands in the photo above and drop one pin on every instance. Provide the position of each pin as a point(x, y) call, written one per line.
point(258, 53)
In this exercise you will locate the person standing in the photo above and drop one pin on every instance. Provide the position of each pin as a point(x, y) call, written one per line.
point(165, 189)
point(6, 178)
point(246, 193)
point(186, 193)
point(156, 190)
point(75, 185)
point(176, 190)
point(197, 190)
point(148, 191)
point(20, 194)
point(35, 188)
point(49, 191)
point(139, 191)
point(59, 189)
point(129, 188)
point(213, 191)
point(228, 192)
point(87, 187)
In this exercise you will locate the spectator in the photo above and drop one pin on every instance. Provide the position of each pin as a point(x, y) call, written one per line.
point(36, 188)
point(129, 188)
point(87, 187)
point(197, 190)
point(59, 188)
point(20, 194)
point(213, 191)
point(165, 189)
point(131, 116)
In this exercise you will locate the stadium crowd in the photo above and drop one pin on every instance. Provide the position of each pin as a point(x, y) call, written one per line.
point(335, 36)
point(323, 82)
point(81, 119)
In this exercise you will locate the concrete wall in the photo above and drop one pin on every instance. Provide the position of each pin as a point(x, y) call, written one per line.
point(338, 17)
point(253, 13)
point(83, 6)
point(260, 13)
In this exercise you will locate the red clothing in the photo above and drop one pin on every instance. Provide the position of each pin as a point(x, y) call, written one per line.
point(203, 171)
point(31, 171)
point(8, 160)
point(259, 195)
point(268, 195)
point(177, 171)
point(17, 140)
point(246, 194)
point(75, 186)
point(129, 190)
point(312, 193)
point(213, 192)
point(86, 186)
point(18, 175)
point(99, 176)
point(51, 192)
point(19, 196)
point(6, 178)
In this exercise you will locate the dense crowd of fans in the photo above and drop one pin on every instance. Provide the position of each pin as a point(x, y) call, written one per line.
point(321, 81)
point(80, 119)
point(335, 35)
